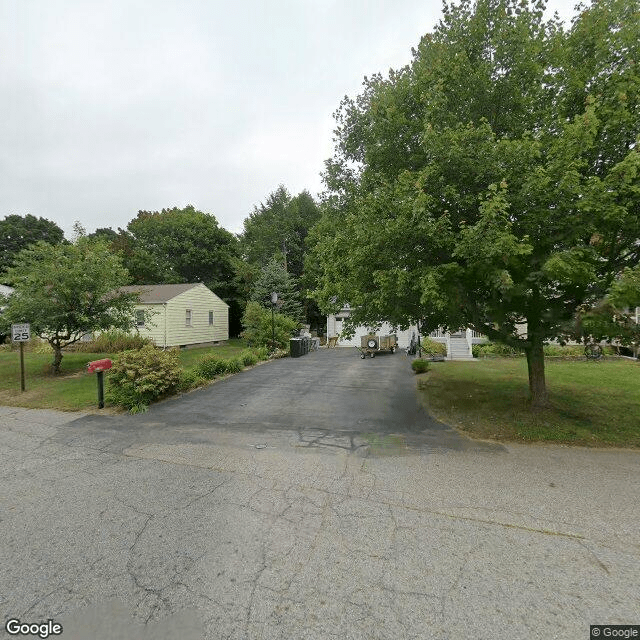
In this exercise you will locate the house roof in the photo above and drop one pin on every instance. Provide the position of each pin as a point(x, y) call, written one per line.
point(158, 293)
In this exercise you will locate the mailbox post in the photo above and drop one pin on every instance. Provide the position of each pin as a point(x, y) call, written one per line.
point(99, 367)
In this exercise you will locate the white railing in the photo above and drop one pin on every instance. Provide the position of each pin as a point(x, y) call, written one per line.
point(469, 336)
point(438, 333)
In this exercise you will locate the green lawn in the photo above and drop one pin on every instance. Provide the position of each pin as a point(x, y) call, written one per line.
point(591, 403)
point(74, 389)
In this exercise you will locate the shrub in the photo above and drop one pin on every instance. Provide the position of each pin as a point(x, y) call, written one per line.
point(433, 348)
point(497, 350)
point(420, 365)
point(262, 353)
point(494, 350)
point(572, 350)
point(249, 358)
point(567, 351)
point(211, 366)
point(234, 365)
point(113, 342)
point(258, 331)
point(139, 377)
point(190, 379)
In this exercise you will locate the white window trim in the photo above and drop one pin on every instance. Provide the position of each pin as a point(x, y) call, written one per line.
point(188, 318)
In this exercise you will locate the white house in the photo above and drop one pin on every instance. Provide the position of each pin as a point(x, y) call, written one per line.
point(180, 314)
point(458, 343)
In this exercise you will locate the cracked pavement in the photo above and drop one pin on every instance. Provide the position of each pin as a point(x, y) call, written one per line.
point(309, 498)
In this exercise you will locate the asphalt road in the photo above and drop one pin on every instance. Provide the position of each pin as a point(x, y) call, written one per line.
point(309, 498)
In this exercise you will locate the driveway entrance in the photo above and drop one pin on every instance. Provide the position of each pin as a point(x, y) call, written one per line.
point(329, 398)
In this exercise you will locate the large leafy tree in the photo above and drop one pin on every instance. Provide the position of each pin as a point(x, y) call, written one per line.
point(67, 290)
point(18, 232)
point(279, 226)
point(492, 182)
point(182, 245)
point(187, 245)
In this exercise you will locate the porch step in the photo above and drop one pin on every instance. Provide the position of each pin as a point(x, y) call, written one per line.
point(459, 349)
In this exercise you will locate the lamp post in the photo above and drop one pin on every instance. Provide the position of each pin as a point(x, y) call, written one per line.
point(274, 299)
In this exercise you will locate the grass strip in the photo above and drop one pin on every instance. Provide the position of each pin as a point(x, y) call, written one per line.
point(590, 403)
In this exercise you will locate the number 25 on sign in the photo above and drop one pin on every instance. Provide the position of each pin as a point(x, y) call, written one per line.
point(21, 333)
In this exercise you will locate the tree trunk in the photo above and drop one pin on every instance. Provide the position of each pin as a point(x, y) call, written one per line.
point(535, 364)
point(57, 358)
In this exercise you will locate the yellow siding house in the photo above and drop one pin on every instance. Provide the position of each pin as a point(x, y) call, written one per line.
point(182, 314)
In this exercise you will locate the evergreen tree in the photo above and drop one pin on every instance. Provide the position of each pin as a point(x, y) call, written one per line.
point(274, 278)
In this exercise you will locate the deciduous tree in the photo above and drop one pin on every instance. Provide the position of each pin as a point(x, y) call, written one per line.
point(280, 226)
point(183, 245)
point(494, 181)
point(18, 232)
point(67, 290)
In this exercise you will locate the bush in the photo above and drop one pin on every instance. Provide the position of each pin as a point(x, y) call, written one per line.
point(234, 365)
point(497, 350)
point(262, 353)
point(567, 351)
point(113, 342)
point(211, 366)
point(433, 348)
point(258, 331)
point(572, 350)
point(249, 358)
point(139, 377)
point(190, 379)
point(420, 365)
point(494, 350)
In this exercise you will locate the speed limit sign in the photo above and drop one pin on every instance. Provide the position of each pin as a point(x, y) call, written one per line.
point(20, 332)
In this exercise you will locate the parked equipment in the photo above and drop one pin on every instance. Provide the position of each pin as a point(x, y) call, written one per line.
point(372, 344)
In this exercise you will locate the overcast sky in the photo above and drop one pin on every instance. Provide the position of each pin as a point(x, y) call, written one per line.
point(113, 106)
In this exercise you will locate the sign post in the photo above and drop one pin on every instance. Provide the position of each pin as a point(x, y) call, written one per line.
point(21, 333)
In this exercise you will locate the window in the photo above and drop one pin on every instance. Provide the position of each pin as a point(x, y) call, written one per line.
point(140, 318)
point(210, 318)
point(187, 317)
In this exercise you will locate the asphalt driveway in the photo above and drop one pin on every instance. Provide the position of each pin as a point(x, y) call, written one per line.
point(309, 498)
point(328, 398)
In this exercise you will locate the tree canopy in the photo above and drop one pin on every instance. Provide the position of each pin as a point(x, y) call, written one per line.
point(280, 226)
point(180, 245)
point(185, 245)
point(18, 232)
point(67, 290)
point(494, 180)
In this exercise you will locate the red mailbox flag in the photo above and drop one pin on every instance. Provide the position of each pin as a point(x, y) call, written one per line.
point(99, 365)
